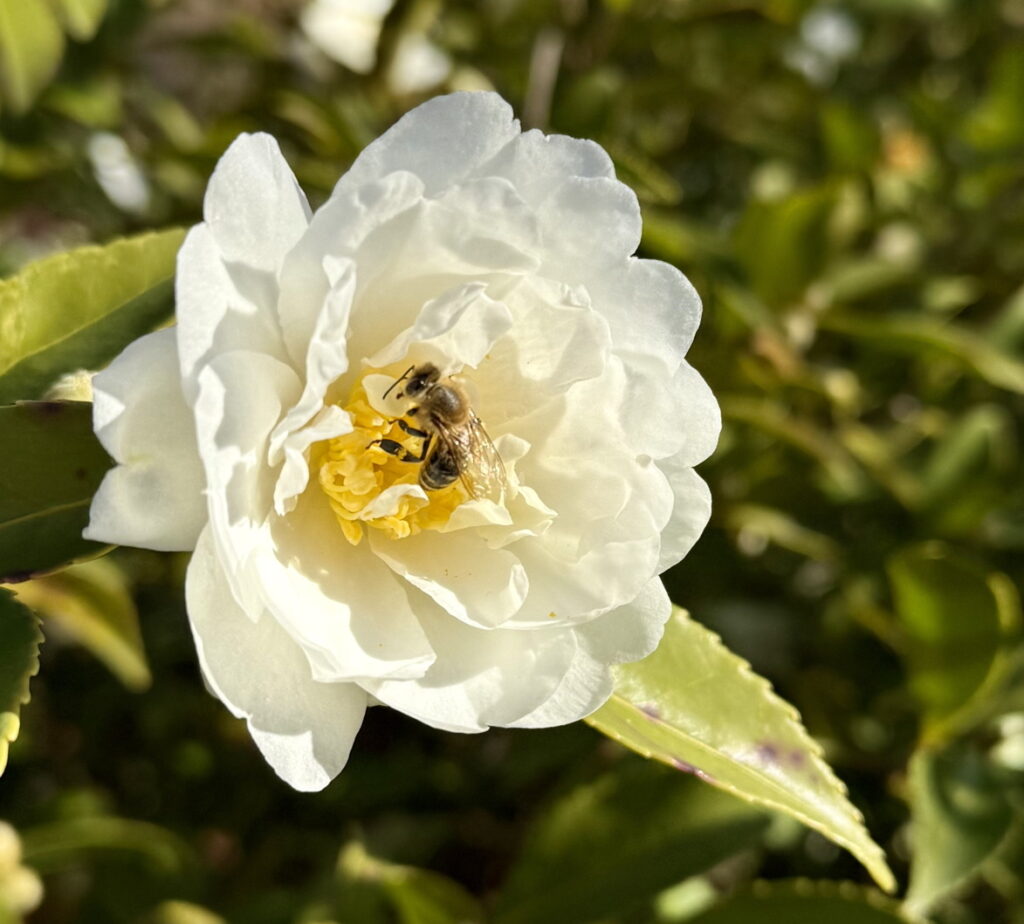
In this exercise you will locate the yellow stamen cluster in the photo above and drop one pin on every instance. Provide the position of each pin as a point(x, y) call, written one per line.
point(353, 472)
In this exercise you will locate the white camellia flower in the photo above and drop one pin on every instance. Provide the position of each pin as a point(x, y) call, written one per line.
point(325, 578)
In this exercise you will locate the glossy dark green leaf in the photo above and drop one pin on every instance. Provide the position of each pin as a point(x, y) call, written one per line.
point(78, 310)
point(696, 706)
point(961, 813)
point(611, 844)
point(19, 660)
point(51, 466)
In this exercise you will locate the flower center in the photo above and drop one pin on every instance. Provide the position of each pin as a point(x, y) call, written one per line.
point(369, 487)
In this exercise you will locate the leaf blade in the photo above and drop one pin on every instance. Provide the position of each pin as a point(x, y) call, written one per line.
point(20, 638)
point(761, 754)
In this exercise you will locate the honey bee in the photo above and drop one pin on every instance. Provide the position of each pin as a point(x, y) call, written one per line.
point(455, 444)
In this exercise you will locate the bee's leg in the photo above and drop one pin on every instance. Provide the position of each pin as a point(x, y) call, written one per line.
point(412, 431)
point(396, 449)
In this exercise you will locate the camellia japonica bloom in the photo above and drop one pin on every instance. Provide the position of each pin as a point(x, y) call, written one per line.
point(431, 446)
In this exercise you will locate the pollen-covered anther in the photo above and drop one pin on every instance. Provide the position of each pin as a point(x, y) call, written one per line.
point(368, 487)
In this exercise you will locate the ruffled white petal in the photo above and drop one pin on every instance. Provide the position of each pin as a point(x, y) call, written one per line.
point(699, 420)
point(441, 142)
point(481, 677)
point(304, 729)
point(153, 498)
point(691, 510)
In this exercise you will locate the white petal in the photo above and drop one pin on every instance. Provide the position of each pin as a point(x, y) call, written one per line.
point(303, 728)
point(691, 510)
point(254, 207)
point(538, 164)
point(588, 221)
point(214, 314)
point(628, 633)
point(700, 419)
point(154, 497)
point(241, 398)
point(480, 586)
point(343, 605)
point(481, 677)
point(455, 329)
point(347, 30)
point(441, 141)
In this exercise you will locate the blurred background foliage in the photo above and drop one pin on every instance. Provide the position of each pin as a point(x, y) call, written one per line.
point(844, 183)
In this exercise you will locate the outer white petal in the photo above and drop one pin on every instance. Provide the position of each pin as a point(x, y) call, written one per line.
point(700, 418)
point(154, 497)
point(538, 164)
point(341, 603)
point(481, 677)
point(303, 728)
point(442, 141)
point(254, 207)
point(480, 586)
point(628, 633)
point(691, 510)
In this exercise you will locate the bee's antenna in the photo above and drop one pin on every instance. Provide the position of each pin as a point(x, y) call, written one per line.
point(402, 378)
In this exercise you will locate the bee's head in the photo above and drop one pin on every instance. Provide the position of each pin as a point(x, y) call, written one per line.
point(418, 379)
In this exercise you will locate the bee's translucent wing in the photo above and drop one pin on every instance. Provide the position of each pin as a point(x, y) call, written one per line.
point(480, 465)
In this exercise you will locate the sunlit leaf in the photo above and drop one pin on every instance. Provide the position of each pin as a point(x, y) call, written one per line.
point(50, 466)
point(177, 912)
point(82, 17)
point(416, 896)
point(696, 706)
point(921, 335)
point(19, 660)
point(31, 46)
point(91, 603)
point(956, 618)
point(804, 902)
point(78, 310)
point(961, 812)
point(613, 843)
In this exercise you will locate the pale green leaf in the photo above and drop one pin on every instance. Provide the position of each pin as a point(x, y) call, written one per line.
point(19, 660)
point(91, 602)
point(178, 912)
point(82, 17)
point(920, 335)
point(961, 813)
point(31, 47)
point(50, 466)
point(956, 618)
point(805, 902)
point(78, 310)
point(696, 706)
point(611, 844)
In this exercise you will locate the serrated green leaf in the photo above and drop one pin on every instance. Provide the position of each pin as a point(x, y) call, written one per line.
point(91, 602)
point(19, 660)
point(696, 706)
point(82, 17)
point(50, 466)
point(956, 618)
point(78, 310)
point(805, 902)
point(961, 812)
point(611, 844)
point(31, 47)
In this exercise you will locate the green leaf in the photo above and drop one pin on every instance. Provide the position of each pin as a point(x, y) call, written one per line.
point(19, 660)
point(696, 706)
point(961, 814)
point(920, 335)
point(804, 902)
point(52, 465)
point(613, 843)
point(31, 47)
point(79, 309)
point(417, 896)
point(82, 17)
point(956, 618)
point(91, 602)
point(781, 243)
